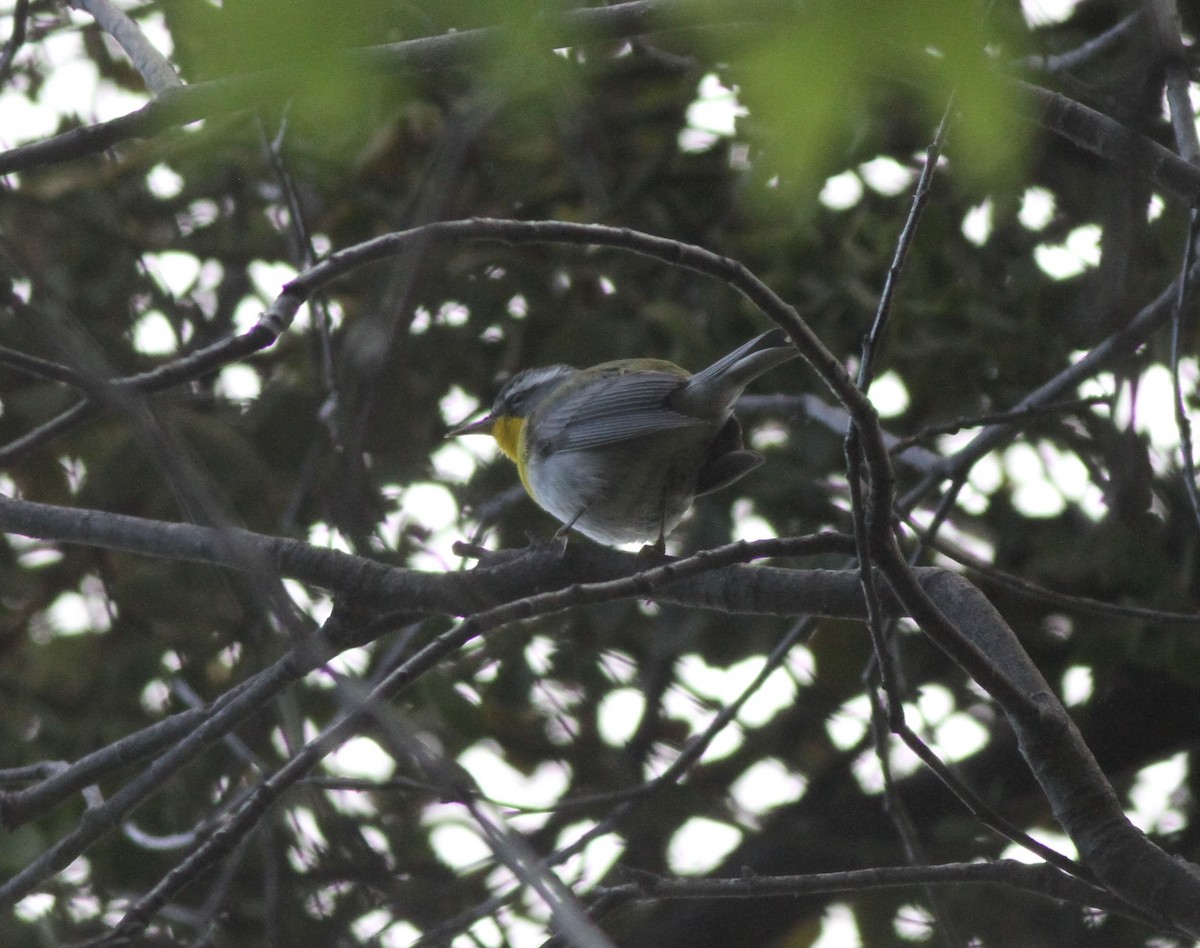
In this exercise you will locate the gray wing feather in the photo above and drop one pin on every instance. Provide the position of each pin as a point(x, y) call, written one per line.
point(611, 411)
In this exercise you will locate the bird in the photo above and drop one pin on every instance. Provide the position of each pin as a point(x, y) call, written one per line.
point(619, 451)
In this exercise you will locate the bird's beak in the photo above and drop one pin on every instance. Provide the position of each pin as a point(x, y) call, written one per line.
point(482, 426)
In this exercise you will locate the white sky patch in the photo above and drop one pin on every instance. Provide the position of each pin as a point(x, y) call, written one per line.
point(361, 757)
point(34, 906)
point(351, 663)
point(323, 535)
point(959, 736)
point(934, 703)
point(886, 176)
point(619, 667)
point(717, 684)
point(1045, 12)
point(1077, 253)
point(70, 70)
point(889, 395)
point(557, 701)
point(588, 867)
point(1077, 685)
point(1059, 842)
point(842, 191)
point(1153, 793)
point(777, 692)
point(155, 697)
point(500, 781)
point(174, 271)
point(712, 116)
point(539, 654)
point(432, 507)
point(154, 335)
point(749, 526)
point(399, 935)
point(901, 760)
point(247, 313)
point(767, 784)
point(430, 504)
point(1048, 478)
point(32, 554)
point(456, 406)
point(684, 707)
point(723, 685)
point(458, 845)
point(618, 715)
point(913, 923)
point(967, 541)
point(315, 604)
point(454, 464)
point(518, 306)
point(769, 434)
point(977, 223)
point(1155, 404)
point(24, 121)
point(200, 213)
point(308, 840)
point(838, 929)
point(700, 844)
point(847, 725)
point(163, 182)
point(453, 313)
point(269, 277)
point(77, 613)
point(422, 319)
point(986, 474)
point(239, 382)
point(450, 313)
point(370, 924)
point(801, 665)
point(1037, 208)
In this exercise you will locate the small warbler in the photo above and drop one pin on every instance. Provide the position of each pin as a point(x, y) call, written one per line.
point(620, 450)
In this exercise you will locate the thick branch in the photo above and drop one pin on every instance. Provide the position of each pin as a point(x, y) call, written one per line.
point(1095, 132)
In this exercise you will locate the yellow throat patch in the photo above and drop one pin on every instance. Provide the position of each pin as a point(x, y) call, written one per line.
point(507, 432)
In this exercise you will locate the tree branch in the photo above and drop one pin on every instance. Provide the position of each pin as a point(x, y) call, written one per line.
point(1040, 880)
point(152, 65)
point(181, 105)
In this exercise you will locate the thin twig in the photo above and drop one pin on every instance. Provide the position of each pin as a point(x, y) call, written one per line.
point(1075, 406)
point(1115, 347)
point(913, 851)
point(874, 337)
point(1025, 587)
point(1042, 880)
point(101, 819)
point(182, 105)
point(692, 751)
point(16, 38)
point(1085, 52)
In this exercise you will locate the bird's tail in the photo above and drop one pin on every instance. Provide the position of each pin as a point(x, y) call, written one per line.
point(713, 391)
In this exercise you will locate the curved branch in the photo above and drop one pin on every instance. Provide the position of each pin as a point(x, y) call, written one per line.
point(154, 68)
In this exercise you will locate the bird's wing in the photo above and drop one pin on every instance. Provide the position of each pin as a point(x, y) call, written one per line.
point(611, 410)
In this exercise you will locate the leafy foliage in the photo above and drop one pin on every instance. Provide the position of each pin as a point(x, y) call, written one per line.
point(121, 260)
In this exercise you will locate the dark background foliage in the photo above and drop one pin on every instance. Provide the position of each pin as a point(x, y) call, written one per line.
point(338, 427)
